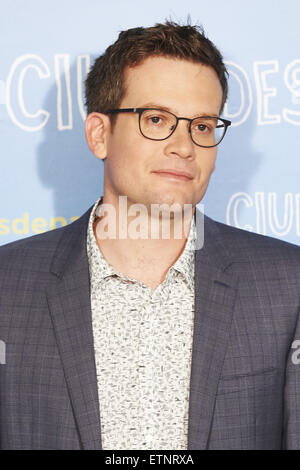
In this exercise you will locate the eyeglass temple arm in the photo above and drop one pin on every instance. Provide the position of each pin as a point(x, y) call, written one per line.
point(124, 110)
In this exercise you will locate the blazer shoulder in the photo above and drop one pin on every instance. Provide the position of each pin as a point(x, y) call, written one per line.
point(242, 245)
point(235, 233)
point(28, 251)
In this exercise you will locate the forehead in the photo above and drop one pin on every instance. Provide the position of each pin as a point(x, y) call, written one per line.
point(182, 85)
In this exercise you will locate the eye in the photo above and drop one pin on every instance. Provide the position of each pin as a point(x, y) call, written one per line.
point(201, 127)
point(204, 126)
point(155, 119)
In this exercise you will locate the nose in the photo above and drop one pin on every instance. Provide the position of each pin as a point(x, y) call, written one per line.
point(180, 142)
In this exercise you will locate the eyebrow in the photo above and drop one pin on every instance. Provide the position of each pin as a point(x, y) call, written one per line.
point(166, 108)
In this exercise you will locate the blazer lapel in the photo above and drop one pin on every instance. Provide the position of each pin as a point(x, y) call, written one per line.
point(70, 308)
point(215, 292)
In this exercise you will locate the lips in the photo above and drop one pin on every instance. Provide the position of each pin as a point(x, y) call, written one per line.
point(177, 174)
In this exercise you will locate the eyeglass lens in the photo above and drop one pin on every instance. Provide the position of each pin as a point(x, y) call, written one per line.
point(159, 125)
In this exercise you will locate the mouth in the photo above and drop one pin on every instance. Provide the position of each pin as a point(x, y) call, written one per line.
point(174, 174)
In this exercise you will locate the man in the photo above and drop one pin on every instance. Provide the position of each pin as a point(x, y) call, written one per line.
point(115, 341)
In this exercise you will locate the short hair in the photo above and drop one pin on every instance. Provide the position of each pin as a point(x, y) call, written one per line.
point(104, 85)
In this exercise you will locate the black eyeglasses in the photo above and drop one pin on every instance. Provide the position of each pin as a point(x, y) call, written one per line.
point(158, 124)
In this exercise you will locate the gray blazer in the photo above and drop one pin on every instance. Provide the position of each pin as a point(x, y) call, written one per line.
point(245, 377)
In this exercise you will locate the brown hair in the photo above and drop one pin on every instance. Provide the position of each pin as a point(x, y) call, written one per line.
point(104, 86)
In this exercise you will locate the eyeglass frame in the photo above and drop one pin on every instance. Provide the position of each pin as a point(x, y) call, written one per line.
point(140, 111)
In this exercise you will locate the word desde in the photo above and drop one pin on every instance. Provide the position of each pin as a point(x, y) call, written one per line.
point(24, 226)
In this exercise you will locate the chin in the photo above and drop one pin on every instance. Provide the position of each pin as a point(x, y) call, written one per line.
point(167, 207)
point(178, 203)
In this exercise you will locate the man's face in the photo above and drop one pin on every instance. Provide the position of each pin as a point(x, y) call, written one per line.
point(133, 162)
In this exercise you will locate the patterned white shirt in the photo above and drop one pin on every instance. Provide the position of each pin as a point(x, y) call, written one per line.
point(143, 350)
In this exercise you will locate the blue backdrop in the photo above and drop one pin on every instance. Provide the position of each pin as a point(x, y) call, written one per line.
point(48, 175)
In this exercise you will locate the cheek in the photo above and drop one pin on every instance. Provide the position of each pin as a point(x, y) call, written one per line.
point(207, 164)
point(124, 166)
point(126, 150)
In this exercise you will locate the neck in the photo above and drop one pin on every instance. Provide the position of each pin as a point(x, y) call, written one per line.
point(136, 237)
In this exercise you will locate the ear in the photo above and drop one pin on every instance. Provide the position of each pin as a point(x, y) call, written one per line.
point(97, 130)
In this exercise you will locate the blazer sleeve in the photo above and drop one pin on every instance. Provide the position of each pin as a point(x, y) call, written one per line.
point(291, 402)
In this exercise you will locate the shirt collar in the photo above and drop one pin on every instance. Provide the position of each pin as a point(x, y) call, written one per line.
point(100, 268)
point(185, 262)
